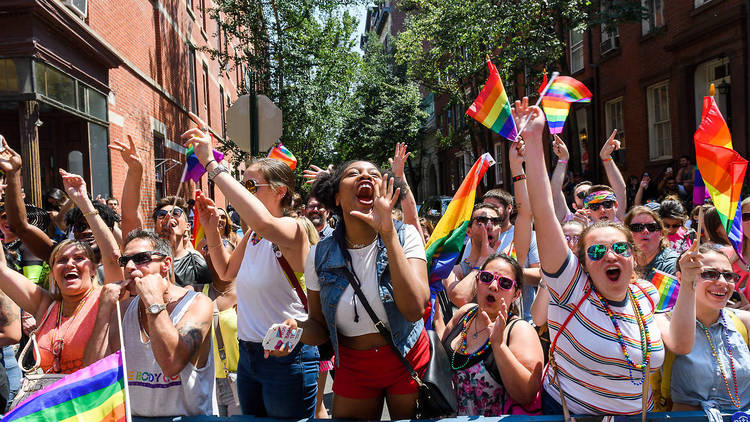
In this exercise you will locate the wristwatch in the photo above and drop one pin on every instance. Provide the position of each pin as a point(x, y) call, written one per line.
point(216, 171)
point(156, 308)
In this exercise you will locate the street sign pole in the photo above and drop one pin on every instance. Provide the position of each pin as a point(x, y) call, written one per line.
point(254, 142)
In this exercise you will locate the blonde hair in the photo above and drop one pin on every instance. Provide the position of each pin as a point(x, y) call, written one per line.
point(312, 232)
point(86, 248)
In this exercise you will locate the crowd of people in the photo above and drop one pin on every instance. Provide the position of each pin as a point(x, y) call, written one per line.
point(550, 308)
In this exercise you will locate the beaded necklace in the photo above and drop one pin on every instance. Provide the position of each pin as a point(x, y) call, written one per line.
point(645, 337)
point(466, 321)
point(736, 398)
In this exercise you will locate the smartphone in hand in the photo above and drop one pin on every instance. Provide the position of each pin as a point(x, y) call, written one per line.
point(279, 335)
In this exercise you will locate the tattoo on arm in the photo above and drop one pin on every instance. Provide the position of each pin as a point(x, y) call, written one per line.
point(8, 314)
point(192, 336)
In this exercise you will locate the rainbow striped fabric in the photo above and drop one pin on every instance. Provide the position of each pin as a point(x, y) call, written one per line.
point(668, 288)
point(194, 170)
point(198, 233)
point(722, 168)
point(447, 239)
point(92, 394)
point(556, 102)
point(492, 107)
point(281, 153)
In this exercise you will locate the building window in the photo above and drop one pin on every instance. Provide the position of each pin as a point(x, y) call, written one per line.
point(610, 32)
point(714, 71)
point(576, 50)
point(223, 117)
point(219, 43)
point(193, 88)
point(659, 130)
point(655, 15)
point(204, 14)
point(499, 163)
point(614, 115)
point(699, 3)
point(159, 160)
point(205, 94)
point(190, 4)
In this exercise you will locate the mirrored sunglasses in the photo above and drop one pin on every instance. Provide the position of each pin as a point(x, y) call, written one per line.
point(597, 252)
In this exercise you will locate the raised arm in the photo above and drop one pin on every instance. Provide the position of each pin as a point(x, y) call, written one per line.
point(104, 338)
point(59, 218)
point(24, 292)
point(461, 288)
point(638, 200)
point(226, 263)
point(558, 177)
point(409, 204)
point(553, 250)
point(75, 187)
point(34, 238)
point(678, 332)
point(131, 190)
point(283, 231)
point(613, 174)
point(522, 232)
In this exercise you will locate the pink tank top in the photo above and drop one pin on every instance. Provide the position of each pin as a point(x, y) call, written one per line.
point(67, 336)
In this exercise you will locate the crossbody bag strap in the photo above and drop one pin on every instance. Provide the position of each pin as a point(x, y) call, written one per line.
point(219, 338)
point(32, 341)
point(291, 276)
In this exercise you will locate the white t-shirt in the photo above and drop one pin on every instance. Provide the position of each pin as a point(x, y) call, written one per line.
point(264, 295)
point(364, 264)
point(588, 353)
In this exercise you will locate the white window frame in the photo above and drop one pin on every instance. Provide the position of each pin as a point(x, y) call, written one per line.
point(699, 3)
point(499, 166)
point(576, 50)
point(655, 18)
point(614, 111)
point(613, 35)
point(659, 123)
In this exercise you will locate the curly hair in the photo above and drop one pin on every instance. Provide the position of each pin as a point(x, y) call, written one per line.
point(326, 186)
point(517, 275)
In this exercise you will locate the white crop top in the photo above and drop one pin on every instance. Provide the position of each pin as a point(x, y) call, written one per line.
point(364, 263)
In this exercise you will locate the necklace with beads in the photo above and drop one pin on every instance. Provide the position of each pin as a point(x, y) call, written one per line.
point(352, 245)
point(645, 337)
point(736, 398)
point(466, 322)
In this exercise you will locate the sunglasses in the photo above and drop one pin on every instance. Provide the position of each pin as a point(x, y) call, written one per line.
point(139, 258)
point(606, 205)
point(252, 186)
point(713, 275)
point(597, 252)
point(746, 216)
point(504, 283)
point(175, 212)
point(572, 238)
point(484, 220)
point(581, 195)
point(639, 227)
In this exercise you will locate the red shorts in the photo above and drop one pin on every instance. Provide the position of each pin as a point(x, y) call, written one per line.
point(366, 374)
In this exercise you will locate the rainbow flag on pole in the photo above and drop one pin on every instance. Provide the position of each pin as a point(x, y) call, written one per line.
point(556, 102)
point(668, 288)
point(722, 168)
point(92, 394)
point(492, 107)
point(447, 239)
point(194, 170)
point(281, 153)
point(198, 232)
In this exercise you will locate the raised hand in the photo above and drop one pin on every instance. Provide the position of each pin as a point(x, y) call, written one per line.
point(560, 149)
point(610, 146)
point(314, 171)
point(129, 152)
point(10, 161)
point(516, 156)
point(645, 181)
point(479, 239)
point(75, 187)
point(691, 263)
point(399, 159)
point(384, 199)
point(533, 130)
point(207, 212)
point(113, 293)
point(201, 143)
point(497, 327)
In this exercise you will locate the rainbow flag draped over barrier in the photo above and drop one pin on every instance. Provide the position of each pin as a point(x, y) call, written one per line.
point(447, 239)
point(492, 107)
point(92, 394)
point(556, 102)
point(194, 170)
point(722, 168)
point(668, 288)
point(281, 153)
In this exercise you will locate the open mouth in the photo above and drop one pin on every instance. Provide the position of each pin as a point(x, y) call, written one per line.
point(491, 239)
point(491, 299)
point(718, 293)
point(613, 273)
point(365, 192)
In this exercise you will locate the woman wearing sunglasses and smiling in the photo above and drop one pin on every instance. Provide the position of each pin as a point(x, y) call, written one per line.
point(277, 386)
point(648, 232)
point(609, 338)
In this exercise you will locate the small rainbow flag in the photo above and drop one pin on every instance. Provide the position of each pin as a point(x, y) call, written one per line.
point(447, 239)
point(280, 153)
point(556, 102)
point(194, 170)
point(198, 232)
point(722, 168)
point(92, 394)
point(492, 107)
point(668, 288)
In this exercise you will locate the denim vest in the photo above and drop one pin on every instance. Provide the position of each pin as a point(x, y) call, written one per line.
point(330, 264)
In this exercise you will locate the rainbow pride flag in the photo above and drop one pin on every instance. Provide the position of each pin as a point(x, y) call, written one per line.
point(94, 393)
point(281, 153)
point(194, 170)
point(447, 239)
point(556, 102)
point(198, 233)
point(492, 107)
point(668, 288)
point(722, 168)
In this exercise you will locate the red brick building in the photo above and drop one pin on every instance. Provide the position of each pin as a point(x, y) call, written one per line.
point(77, 74)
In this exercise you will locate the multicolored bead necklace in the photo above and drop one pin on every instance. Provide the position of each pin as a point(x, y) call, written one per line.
point(736, 398)
point(645, 337)
point(466, 321)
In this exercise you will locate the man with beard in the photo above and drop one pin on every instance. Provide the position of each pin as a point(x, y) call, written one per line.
point(318, 215)
point(170, 219)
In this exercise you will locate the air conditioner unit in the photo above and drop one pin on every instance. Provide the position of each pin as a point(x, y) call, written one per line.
point(79, 7)
point(610, 44)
